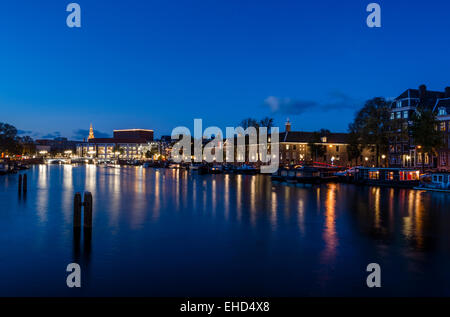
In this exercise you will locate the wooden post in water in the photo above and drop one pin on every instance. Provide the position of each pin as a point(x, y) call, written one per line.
point(20, 184)
point(77, 210)
point(87, 210)
point(25, 183)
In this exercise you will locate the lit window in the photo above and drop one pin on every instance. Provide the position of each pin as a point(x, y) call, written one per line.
point(405, 114)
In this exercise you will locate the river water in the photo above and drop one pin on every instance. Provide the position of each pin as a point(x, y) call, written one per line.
point(162, 232)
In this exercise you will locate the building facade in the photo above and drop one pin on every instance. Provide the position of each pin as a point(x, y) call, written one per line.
point(403, 152)
point(320, 147)
point(125, 144)
point(443, 116)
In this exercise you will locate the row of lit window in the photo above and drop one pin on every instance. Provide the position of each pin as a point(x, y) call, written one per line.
point(399, 115)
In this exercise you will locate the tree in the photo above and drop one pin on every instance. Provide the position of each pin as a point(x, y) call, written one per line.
point(372, 126)
point(354, 149)
point(28, 145)
point(151, 152)
point(9, 141)
point(426, 133)
point(249, 122)
point(266, 122)
point(317, 149)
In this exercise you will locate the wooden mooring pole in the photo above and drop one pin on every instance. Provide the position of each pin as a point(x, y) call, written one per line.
point(20, 184)
point(25, 183)
point(87, 210)
point(87, 205)
point(77, 210)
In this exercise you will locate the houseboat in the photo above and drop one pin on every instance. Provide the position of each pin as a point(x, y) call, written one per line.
point(246, 170)
point(4, 167)
point(305, 175)
point(216, 169)
point(438, 181)
point(395, 177)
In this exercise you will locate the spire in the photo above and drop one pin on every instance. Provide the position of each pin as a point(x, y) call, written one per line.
point(287, 126)
point(91, 133)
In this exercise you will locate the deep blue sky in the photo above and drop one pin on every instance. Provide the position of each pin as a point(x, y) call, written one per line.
point(160, 64)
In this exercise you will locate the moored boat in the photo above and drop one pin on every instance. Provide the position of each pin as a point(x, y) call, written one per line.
point(382, 176)
point(246, 169)
point(4, 167)
point(216, 169)
point(436, 181)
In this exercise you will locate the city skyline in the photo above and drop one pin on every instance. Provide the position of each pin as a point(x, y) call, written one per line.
point(160, 65)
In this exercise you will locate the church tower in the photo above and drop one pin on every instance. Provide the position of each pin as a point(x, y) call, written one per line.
point(287, 126)
point(91, 133)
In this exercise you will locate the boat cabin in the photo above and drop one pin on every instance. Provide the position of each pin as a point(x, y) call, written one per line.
point(401, 177)
point(440, 180)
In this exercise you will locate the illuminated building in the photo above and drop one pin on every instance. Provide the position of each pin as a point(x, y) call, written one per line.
point(125, 144)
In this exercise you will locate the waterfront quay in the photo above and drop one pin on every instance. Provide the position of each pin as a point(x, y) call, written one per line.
point(170, 232)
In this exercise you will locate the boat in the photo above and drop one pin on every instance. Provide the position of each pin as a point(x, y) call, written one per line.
point(228, 168)
point(195, 167)
point(436, 181)
point(246, 169)
point(306, 174)
point(216, 169)
point(174, 166)
point(21, 167)
point(382, 176)
point(4, 167)
point(277, 176)
point(347, 176)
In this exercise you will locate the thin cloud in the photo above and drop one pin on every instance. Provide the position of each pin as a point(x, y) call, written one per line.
point(334, 101)
point(53, 135)
point(288, 105)
point(22, 132)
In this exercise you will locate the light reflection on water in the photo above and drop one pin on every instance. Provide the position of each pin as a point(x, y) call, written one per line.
point(219, 235)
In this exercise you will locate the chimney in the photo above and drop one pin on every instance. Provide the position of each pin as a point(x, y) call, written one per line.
point(447, 92)
point(422, 90)
point(287, 126)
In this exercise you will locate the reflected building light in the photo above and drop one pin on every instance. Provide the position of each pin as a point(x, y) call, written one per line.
point(330, 234)
point(213, 196)
point(301, 216)
point(273, 214)
point(239, 196)
point(67, 193)
point(43, 193)
point(227, 196)
point(377, 208)
point(253, 201)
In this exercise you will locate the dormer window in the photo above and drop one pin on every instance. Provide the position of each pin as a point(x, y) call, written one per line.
point(442, 112)
point(324, 139)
